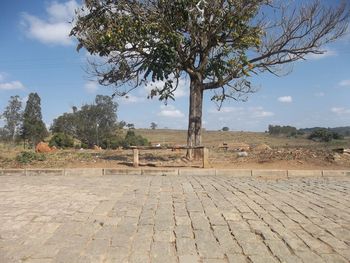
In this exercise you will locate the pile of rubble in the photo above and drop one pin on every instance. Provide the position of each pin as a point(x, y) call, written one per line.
point(263, 153)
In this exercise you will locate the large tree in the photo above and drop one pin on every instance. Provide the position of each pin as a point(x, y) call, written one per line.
point(66, 124)
point(13, 117)
point(33, 127)
point(91, 123)
point(218, 44)
point(97, 121)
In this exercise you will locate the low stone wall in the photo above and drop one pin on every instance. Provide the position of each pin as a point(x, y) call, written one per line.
point(176, 171)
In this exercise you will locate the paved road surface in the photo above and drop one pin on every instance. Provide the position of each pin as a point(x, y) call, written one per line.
point(173, 219)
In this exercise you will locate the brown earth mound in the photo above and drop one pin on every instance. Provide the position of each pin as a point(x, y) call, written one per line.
point(43, 147)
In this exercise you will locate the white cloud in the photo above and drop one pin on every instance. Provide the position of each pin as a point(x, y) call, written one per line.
point(59, 12)
point(259, 112)
point(320, 94)
point(344, 83)
point(340, 111)
point(170, 112)
point(56, 28)
point(326, 54)
point(12, 85)
point(285, 99)
point(91, 86)
point(240, 112)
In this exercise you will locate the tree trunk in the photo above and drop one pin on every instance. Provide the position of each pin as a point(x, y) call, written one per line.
point(194, 133)
point(14, 135)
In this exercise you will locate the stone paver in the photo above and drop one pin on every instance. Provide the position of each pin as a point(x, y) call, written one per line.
point(173, 219)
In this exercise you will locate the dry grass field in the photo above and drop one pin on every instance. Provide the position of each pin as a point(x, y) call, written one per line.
point(261, 151)
point(216, 138)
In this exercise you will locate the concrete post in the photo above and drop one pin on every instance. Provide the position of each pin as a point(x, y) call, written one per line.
point(136, 157)
point(205, 158)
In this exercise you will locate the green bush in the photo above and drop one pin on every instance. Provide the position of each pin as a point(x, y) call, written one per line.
point(112, 142)
point(84, 145)
point(61, 140)
point(322, 135)
point(337, 136)
point(325, 135)
point(131, 139)
point(77, 146)
point(28, 157)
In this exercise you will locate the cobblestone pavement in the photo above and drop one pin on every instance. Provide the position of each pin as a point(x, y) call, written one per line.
point(173, 219)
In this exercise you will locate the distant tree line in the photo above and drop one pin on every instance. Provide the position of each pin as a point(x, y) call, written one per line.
point(95, 124)
point(344, 131)
point(316, 133)
point(282, 130)
point(92, 124)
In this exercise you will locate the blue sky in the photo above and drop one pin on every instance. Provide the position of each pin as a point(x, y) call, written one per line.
point(36, 55)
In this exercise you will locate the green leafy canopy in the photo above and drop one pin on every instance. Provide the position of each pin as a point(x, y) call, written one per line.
point(160, 40)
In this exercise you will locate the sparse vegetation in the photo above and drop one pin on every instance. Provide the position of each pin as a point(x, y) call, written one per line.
point(27, 157)
point(297, 152)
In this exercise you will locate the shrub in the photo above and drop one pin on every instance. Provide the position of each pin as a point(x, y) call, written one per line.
point(225, 128)
point(28, 157)
point(112, 142)
point(61, 140)
point(84, 145)
point(131, 139)
point(337, 136)
point(77, 146)
point(322, 135)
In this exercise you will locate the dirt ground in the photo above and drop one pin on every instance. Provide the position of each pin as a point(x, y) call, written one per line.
point(241, 150)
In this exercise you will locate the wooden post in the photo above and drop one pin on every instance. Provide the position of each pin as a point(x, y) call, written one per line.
point(205, 157)
point(136, 157)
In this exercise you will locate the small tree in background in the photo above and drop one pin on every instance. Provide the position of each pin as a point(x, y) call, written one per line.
point(92, 124)
point(131, 139)
point(13, 117)
point(225, 128)
point(96, 122)
point(154, 125)
point(33, 127)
